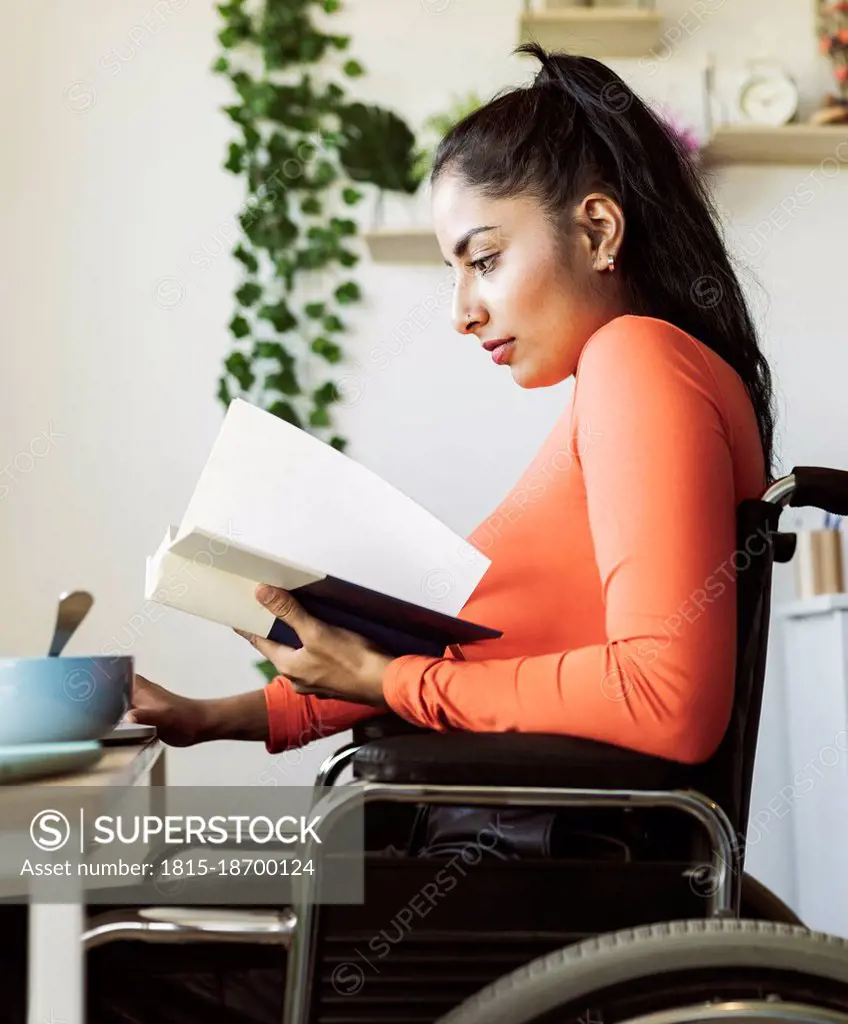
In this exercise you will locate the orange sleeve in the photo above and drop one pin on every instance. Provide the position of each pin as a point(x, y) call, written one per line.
point(661, 506)
point(295, 720)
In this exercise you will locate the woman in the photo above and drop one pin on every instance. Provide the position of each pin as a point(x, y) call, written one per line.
point(583, 244)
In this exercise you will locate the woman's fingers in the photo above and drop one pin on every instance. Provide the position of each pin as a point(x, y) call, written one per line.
point(283, 606)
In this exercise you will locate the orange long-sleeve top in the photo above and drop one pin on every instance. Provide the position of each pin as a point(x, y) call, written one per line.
point(613, 570)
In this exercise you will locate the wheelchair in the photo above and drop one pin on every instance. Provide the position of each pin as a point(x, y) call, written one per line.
point(645, 915)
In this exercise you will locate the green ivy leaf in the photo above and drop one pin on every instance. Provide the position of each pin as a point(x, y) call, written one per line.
point(348, 292)
point(285, 382)
point(339, 443)
point(239, 367)
point(252, 138)
point(228, 38)
point(327, 350)
point(332, 323)
point(248, 294)
point(347, 258)
point(325, 174)
point(311, 205)
point(237, 113)
point(319, 418)
point(236, 363)
point(285, 269)
point(233, 163)
point(239, 327)
point(311, 47)
point(239, 27)
point(247, 258)
point(286, 412)
point(343, 227)
point(269, 229)
point(270, 350)
point(331, 6)
point(221, 66)
point(312, 259)
point(340, 42)
point(224, 395)
point(351, 196)
point(326, 394)
point(353, 69)
point(279, 315)
point(315, 310)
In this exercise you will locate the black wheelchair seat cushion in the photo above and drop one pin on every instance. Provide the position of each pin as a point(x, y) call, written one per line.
point(516, 759)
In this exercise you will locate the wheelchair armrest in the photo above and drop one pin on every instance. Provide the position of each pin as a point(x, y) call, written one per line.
point(517, 759)
point(384, 726)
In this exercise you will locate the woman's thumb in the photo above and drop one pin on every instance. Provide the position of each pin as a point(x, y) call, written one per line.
point(282, 605)
point(141, 716)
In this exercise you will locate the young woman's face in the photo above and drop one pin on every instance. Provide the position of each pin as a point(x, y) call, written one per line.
point(513, 283)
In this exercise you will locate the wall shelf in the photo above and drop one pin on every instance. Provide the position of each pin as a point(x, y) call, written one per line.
point(407, 245)
point(594, 31)
point(792, 144)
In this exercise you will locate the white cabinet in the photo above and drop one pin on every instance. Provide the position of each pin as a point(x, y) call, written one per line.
point(815, 637)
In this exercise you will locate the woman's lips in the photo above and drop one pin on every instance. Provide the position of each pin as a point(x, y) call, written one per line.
point(502, 352)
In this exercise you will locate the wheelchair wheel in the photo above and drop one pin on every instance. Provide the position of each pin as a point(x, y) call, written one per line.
point(674, 973)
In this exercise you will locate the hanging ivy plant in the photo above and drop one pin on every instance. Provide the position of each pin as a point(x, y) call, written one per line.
point(303, 148)
point(305, 151)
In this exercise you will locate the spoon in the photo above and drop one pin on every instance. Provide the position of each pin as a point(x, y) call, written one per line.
point(73, 608)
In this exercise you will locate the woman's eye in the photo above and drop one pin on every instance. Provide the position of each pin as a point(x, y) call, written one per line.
point(485, 263)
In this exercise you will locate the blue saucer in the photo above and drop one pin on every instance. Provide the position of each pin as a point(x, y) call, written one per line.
point(37, 760)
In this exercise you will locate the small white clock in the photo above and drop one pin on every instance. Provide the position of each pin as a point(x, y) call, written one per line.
point(768, 96)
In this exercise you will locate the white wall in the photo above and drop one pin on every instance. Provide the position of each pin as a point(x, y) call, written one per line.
point(111, 182)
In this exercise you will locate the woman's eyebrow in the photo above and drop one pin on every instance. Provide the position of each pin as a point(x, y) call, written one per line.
point(461, 246)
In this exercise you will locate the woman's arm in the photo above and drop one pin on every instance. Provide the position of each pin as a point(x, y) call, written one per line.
point(275, 714)
point(293, 720)
point(661, 503)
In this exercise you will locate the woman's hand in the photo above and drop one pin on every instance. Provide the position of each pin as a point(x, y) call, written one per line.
point(180, 721)
point(183, 721)
point(333, 662)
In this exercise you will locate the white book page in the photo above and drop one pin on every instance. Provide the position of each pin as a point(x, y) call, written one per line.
point(195, 586)
point(236, 558)
point(276, 489)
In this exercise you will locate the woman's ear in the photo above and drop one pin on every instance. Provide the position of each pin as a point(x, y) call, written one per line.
point(601, 220)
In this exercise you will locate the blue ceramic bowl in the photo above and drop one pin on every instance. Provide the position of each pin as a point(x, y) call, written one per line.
point(61, 700)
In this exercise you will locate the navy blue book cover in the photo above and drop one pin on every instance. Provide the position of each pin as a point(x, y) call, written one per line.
point(397, 627)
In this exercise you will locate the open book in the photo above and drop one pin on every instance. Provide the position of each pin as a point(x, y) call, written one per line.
point(276, 505)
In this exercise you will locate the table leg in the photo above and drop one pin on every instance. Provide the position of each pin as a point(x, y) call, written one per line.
point(157, 781)
point(56, 969)
point(158, 775)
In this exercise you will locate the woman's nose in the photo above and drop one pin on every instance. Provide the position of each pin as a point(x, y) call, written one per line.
point(468, 317)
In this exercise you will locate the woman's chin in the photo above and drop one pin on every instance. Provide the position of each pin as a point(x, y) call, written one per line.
point(529, 376)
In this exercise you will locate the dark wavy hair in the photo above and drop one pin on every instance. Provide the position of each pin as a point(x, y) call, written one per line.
point(580, 128)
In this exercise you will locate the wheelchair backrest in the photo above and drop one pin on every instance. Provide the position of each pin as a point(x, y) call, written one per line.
point(727, 777)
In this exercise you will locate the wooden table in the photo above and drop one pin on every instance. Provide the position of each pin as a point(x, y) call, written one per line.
point(56, 985)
